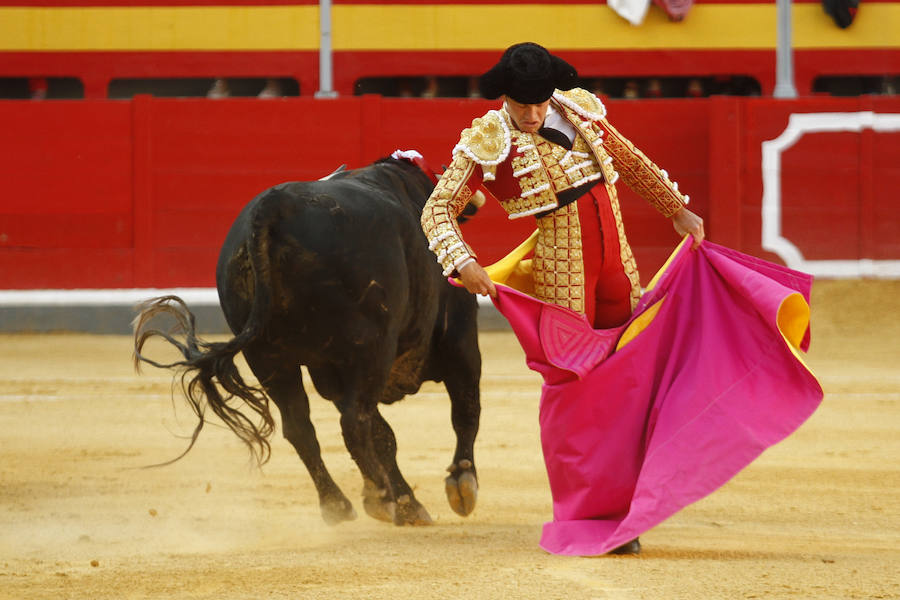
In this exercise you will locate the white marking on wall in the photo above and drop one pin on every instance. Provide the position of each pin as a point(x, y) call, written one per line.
point(772, 238)
point(121, 297)
point(108, 297)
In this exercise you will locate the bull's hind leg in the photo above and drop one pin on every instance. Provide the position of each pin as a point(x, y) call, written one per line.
point(356, 427)
point(284, 385)
point(408, 510)
point(299, 431)
point(371, 443)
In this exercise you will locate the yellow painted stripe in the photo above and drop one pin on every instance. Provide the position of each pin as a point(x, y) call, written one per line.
point(431, 27)
point(160, 28)
point(574, 27)
point(875, 26)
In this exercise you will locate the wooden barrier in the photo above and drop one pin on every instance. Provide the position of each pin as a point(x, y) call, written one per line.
point(140, 193)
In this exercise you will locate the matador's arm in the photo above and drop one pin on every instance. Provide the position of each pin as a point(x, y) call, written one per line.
point(457, 185)
point(641, 174)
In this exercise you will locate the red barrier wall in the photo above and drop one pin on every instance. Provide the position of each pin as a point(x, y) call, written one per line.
point(121, 194)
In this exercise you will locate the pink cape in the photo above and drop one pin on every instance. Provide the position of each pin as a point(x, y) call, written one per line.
point(700, 384)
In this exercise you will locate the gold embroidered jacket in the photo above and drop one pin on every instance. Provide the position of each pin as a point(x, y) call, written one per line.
point(525, 172)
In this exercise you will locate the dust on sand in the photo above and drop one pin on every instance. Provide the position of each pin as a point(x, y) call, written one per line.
point(818, 516)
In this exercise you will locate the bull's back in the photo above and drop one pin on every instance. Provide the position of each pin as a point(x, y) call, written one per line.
point(341, 258)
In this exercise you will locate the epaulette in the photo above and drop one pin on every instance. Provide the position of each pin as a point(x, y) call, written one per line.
point(487, 141)
point(582, 102)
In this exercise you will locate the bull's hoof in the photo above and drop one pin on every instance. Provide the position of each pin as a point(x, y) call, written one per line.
point(337, 511)
point(376, 502)
point(410, 512)
point(380, 509)
point(462, 488)
point(632, 547)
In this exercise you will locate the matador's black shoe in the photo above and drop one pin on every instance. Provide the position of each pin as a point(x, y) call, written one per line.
point(632, 547)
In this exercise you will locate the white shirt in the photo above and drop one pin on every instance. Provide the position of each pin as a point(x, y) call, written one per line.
point(559, 122)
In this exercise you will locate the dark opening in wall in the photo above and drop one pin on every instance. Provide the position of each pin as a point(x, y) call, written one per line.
point(205, 87)
point(41, 88)
point(673, 87)
point(612, 87)
point(418, 87)
point(856, 85)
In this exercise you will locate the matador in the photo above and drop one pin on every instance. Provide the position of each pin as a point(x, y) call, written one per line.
point(551, 154)
point(649, 402)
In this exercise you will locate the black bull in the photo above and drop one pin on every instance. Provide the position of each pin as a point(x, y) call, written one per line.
point(335, 275)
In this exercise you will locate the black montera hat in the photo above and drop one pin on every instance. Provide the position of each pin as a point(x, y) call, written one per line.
point(527, 73)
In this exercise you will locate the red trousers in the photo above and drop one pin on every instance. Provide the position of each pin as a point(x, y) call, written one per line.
point(609, 304)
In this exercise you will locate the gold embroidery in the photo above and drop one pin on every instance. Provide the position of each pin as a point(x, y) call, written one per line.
point(447, 201)
point(486, 141)
point(550, 169)
point(537, 193)
point(544, 169)
point(590, 106)
point(522, 161)
point(557, 265)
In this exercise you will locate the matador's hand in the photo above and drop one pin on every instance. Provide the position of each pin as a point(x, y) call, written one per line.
point(476, 280)
point(686, 222)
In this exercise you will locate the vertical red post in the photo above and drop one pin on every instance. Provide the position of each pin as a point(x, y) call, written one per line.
point(142, 192)
point(726, 159)
point(868, 247)
point(95, 87)
point(370, 106)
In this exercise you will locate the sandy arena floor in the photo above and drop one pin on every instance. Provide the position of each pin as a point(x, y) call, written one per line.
point(816, 517)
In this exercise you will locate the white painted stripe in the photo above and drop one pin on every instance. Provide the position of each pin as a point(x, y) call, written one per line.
point(123, 297)
point(104, 297)
point(16, 398)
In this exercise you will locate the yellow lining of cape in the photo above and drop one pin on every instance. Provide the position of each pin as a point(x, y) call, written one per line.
point(508, 269)
point(666, 265)
point(793, 320)
point(643, 320)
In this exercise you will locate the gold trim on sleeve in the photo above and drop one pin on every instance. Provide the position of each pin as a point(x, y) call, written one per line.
point(641, 174)
point(447, 201)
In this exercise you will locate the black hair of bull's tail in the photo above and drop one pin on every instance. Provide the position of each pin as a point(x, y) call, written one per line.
point(205, 365)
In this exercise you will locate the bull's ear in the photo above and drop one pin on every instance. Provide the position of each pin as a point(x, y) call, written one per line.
point(340, 169)
point(469, 211)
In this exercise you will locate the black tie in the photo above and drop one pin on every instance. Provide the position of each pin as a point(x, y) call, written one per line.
point(556, 136)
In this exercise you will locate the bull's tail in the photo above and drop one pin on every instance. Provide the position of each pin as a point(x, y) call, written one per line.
point(204, 365)
point(208, 367)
